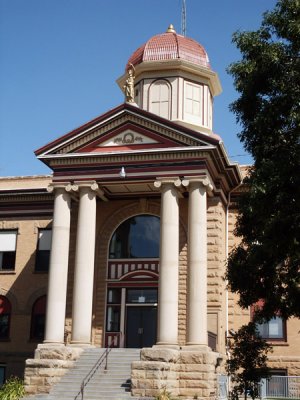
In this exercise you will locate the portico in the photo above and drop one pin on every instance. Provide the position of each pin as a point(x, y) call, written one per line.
point(82, 307)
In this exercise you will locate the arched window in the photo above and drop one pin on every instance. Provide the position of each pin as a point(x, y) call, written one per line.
point(137, 237)
point(5, 313)
point(38, 316)
point(160, 99)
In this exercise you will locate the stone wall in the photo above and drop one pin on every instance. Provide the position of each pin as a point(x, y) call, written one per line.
point(47, 367)
point(184, 372)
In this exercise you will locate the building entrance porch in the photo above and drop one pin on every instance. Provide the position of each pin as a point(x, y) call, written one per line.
point(131, 317)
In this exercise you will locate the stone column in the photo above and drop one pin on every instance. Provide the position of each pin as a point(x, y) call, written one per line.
point(197, 261)
point(84, 265)
point(169, 263)
point(58, 271)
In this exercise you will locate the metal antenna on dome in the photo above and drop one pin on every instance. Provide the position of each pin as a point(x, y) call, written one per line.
point(183, 18)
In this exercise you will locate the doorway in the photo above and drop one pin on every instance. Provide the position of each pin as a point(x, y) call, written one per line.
point(141, 324)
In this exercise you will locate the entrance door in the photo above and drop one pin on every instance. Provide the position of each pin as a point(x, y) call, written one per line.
point(141, 324)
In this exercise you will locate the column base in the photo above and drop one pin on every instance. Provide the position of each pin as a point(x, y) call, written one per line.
point(164, 345)
point(190, 346)
point(184, 372)
point(49, 343)
point(80, 344)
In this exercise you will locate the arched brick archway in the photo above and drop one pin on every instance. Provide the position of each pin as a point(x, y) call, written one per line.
point(104, 234)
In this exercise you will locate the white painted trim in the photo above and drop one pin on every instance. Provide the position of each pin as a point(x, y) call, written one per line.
point(125, 152)
point(107, 120)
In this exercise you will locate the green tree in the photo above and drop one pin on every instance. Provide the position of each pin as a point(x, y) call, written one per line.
point(247, 363)
point(13, 389)
point(266, 263)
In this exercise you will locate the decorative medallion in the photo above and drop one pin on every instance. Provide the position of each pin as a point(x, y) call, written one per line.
point(127, 138)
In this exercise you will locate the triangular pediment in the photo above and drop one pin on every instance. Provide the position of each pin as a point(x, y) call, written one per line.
point(125, 128)
point(127, 148)
point(128, 136)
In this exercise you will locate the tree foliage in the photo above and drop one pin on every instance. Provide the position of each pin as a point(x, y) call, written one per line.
point(266, 263)
point(247, 363)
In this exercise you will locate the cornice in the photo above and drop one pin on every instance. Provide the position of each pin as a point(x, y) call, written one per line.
point(163, 154)
point(180, 65)
point(27, 197)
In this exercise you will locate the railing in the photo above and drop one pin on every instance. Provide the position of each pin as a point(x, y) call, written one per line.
point(281, 387)
point(88, 377)
point(275, 387)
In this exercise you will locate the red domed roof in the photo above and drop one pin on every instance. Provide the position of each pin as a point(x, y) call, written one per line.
point(170, 46)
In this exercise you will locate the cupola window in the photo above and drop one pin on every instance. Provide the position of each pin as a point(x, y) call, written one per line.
point(160, 98)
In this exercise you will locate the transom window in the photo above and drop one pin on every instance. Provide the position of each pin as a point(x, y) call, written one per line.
point(8, 240)
point(137, 237)
point(138, 296)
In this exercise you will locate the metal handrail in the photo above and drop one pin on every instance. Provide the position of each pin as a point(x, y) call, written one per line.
point(94, 369)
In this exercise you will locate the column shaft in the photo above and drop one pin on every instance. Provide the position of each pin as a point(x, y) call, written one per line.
point(84, 268)
point(168, 275)
point(197, 269)
point(58, 271)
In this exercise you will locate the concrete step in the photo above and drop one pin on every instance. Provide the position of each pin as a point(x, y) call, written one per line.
point(113, 383)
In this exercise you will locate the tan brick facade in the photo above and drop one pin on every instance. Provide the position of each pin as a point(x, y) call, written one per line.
point(23, 286)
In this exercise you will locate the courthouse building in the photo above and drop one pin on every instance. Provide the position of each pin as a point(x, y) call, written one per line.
point(124, 243)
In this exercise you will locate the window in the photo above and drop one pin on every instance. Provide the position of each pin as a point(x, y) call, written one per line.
point(43, 250)
point(193, 99)
point(38, 319)
point(113, 310)
point(141, 296)
point(8, 241)
point(5, 313)
point(2, 374)
point(160, 99)
point(273, 329)
point(137, 237)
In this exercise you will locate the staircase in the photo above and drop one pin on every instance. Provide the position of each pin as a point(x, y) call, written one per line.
point(114, 383)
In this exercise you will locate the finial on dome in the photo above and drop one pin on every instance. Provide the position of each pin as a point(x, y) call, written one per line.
point(171, 29)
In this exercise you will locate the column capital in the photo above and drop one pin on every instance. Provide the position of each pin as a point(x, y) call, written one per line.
point(91, 185)
point(205, 181)
point(58, 185)
point(167, 181)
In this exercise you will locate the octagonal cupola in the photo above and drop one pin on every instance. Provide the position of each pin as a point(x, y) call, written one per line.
point(171, 76)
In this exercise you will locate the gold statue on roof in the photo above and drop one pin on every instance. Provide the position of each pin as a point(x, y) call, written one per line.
point(129, 85)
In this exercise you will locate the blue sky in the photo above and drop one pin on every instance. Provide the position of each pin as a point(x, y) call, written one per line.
point(59, 60)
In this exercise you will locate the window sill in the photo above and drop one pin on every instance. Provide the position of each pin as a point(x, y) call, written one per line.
point(11, 272)
point(278, 343)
